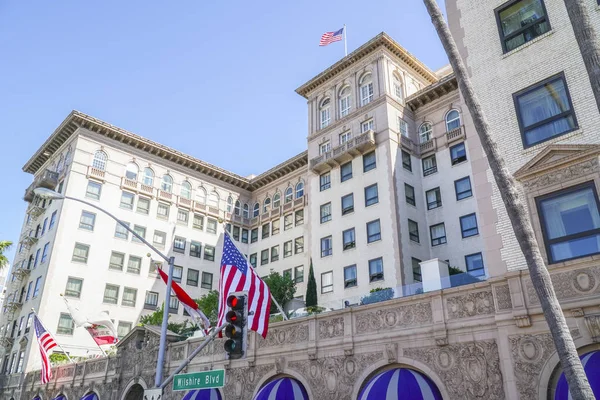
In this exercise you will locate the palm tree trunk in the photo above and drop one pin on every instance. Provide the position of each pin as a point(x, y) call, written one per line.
point(588, 42)
point(569, 359)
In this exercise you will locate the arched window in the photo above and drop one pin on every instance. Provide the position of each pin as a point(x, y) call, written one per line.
point(366, 89)
point(229, 204)
point(238, 207)
point(167, 183)
point(425, 132)
point(266, 205)
point(99, 162)
point(201, 195)
point(452, 120)
point(59, 166)
point(345, 101)
point(148, 176)
point(276, 200)
point(289, 194)
point(325, 109)
point(256, 210)
point(246, 211)
point(186, 190)
point(299, 190)
point(398, 87)
point(131, 171)
point(213, 199)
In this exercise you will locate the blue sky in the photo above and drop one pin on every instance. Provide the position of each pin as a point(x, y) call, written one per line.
point(213, 79)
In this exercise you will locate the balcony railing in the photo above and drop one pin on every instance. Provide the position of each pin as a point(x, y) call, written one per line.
point(455, 134)
point(343, 153)
point(213, 210)
point(146, 189)
point(199, 206)
point(429, 171)
point(47, 179)
point(130, 184)
point(183, 202)
point(95, 173)
point(427, 146)
point(162, 195)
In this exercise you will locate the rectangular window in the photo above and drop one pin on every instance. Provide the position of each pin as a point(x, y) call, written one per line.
point(429, 165)
point(264, 257)
point(325, 181)
point(183, 217)
point(345, 137)
point(29, 323)
point(299, 274)
point(326, 246)
point(545, 111)
point(325, 212)
point(60, 186)
point(211, 225)
point(36, 288)
point(198, 222)
point(366, 126)
point(209, 253)
point(192, 277)
point(44, 226)
point(179, 244)
point(349, 239)
point(287, 249)
point(371, 195)
point(21, 360)
point(162, 212)
point(111, 294)
point(129, 297)
point(376, 269)
point(434, 198)
point(325, 147)
point(346, 171)
point(80, 253)
point(406, 161)
point(143, 205)
point(87, 220)
point(73, 288)
point(121, 232)
point(27, 297)
point(520, 22)
point(369, 161)
point(266, 230)
point(348, 204)
point(409, 193)
point(275, 227)
point(438, 234)
point(159, 239)
point(207, 280)
point(299, 217)
point(195, 249)
point(402, 125)
point(416, 268)
point(253, 258)
point(127, 200)
point(140, 230)
point(474, 264)
point(52, 221)
point(177, 273)
point(236, 233)
point(373, 231)
point(570, 222)
point(288, 273)
point(93, 190)
point(151, 301)
point(65, 325)
point(299, 245)
point(327, 282)
point(458, 153)
point(173, 305)
point(123, 329)
point(468, 225)
point(350, 276)
point(116, 261)
point(274, 253)
point(463, 188)
point(245, 235)
point(21, 325)
point(413, 230)
point(134, 265)
point(254, 235)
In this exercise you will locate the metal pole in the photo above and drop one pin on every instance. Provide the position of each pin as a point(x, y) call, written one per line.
point(193, 354)
point(163, 330)
point(345, 42)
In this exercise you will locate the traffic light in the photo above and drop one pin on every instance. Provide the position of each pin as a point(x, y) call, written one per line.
point(236, 329)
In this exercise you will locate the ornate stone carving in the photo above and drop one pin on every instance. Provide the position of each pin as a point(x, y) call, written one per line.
point(442, 341)
point(240, 383)
point(562, 175)
point(281, 336)
point(404, 316)
point(279, 364)
point(592, 323)
point(469, 370)
point(570, 284)
point(470, 304)
point(333, 378)
point(523, 321)
point(577, 313)
point(503, 298)
point(391, 351)
point(177, 353)
point(331, 328)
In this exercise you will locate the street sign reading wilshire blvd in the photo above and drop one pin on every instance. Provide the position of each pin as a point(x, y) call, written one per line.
point(199, 380)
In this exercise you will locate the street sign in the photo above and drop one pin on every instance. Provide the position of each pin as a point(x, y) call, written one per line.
point(199, 380)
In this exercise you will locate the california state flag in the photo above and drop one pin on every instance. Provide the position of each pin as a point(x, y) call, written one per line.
point(100, 327)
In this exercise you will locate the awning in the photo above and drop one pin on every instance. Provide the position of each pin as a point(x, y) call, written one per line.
point(90, 396)
point(282, 388)
point(400, 384)
point(60, 397)
point(203, 394)
point(37, 398)
point(591, 366)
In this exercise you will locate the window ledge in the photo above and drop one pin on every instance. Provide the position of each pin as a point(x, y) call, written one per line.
point(537, 147)
point(525, 45)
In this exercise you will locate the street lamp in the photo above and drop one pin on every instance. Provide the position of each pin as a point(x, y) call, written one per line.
point(52, 195)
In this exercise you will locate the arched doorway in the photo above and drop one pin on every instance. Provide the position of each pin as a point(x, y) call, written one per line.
point(282, 388)
point(135, 392)
point(399, 384)
point(591, 366)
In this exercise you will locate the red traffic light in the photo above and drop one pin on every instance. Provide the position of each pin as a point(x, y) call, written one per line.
point(233, 317)
point(236, 302)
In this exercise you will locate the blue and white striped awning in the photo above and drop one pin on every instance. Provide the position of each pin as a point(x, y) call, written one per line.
point(282, 389)
point(400, 384)
point(203, 394)
point(90, 396)
point(37, 398)
point(591, 366)
point(60, 397)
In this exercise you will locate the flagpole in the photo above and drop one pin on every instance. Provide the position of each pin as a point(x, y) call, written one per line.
point(345, 42)
point(56, 341)
point(67, 303)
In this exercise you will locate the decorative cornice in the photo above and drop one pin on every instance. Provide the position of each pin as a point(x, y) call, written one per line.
point(78, 119)
point(432, 92)
point(381, 40)
point(545, 161)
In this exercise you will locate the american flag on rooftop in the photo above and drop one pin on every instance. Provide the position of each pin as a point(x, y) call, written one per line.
point(47, 343)
point(330, 37)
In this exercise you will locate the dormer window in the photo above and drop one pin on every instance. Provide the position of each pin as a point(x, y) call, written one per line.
point(452, 120)
point(366, 89)
point(398, 87)
point(325, 113)
point(425, 132)
point(345, 101)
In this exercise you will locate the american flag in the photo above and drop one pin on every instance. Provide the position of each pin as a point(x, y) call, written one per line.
point(330, 37)
point(236, 276)
point(47, 343)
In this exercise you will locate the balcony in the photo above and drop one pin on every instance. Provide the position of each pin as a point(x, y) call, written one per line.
point(6, 342)
point(343, 153)
point(166, 196)
point(428, 146)
point(456, 134)
point(147, 190)
point(183, 202)
point(199, 206)
point(408, 144)
point(129, 184)
point(47, 179)
point(95, 173)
